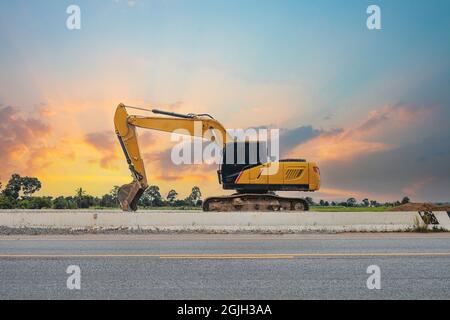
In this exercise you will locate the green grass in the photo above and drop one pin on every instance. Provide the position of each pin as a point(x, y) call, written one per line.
point(348, 209)
point(170, 208)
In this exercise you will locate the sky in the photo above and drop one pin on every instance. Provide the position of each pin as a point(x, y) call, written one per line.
point(371, 107)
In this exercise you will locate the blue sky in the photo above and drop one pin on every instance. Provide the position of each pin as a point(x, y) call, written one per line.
point(323, 44)
point(289, 64)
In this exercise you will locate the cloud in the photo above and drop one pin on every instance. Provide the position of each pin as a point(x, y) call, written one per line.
point(392, 153)
point(400, 114)
point(419, 170)
point(108, 147)
point(105, 142)
point(163, 168)
point(146, 139)
point(45, 110)
point(374, 134)
point(289, 138)
point(45, 156)
point(415, 187)
point(20, 138)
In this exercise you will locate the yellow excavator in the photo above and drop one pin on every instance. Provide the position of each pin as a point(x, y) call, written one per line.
point(250, 174)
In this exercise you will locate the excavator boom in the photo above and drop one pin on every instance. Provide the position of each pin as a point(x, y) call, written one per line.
point(125, 127)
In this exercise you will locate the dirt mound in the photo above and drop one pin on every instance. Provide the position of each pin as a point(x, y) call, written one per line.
point(421, 207)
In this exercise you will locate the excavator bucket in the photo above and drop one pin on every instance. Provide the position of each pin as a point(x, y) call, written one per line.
point(129, 195)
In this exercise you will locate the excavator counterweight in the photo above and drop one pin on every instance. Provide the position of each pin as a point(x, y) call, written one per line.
point(255, 188)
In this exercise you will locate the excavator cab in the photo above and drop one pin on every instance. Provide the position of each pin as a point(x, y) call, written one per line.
point(238, 156)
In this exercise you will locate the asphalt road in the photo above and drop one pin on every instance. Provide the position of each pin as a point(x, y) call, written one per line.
point(314, 266)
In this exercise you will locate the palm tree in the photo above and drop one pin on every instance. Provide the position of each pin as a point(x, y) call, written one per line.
point(80, 192)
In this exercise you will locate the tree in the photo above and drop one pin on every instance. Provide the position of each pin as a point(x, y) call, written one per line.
point(152, 197)
point(195, 195)
point(374, 203)
point(310, 201)
point(12, 189)
point(84, 200)
point(351, 202)
point(321, 203)
point(6, 202)
point(181, 202)
point(39, 202)
point(80, 192)
point(114, 191)
point(110, 199)
point(71, 202)
point(60, 203)
point(30, 185)
point(406, 200)
point(366, 202)
point(16, 184)
point(107, 200)
point(155, 195)
point(171, 196)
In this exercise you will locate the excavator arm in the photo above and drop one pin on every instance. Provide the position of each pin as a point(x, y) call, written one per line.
point(199, 125)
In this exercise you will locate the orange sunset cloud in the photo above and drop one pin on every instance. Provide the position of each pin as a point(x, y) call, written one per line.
point(361, 139)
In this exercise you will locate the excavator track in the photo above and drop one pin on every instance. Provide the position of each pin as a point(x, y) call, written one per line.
point(254, 202)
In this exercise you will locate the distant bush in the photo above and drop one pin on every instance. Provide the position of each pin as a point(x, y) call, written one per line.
point(60, 203)
point(35, 203)
point(7, 202)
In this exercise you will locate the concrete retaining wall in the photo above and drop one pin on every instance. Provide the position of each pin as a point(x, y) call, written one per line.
point(232, 221)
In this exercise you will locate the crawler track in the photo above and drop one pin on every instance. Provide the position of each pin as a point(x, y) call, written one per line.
point(254, 202)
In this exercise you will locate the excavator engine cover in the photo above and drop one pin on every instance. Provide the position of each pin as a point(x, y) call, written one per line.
point(129, 195)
